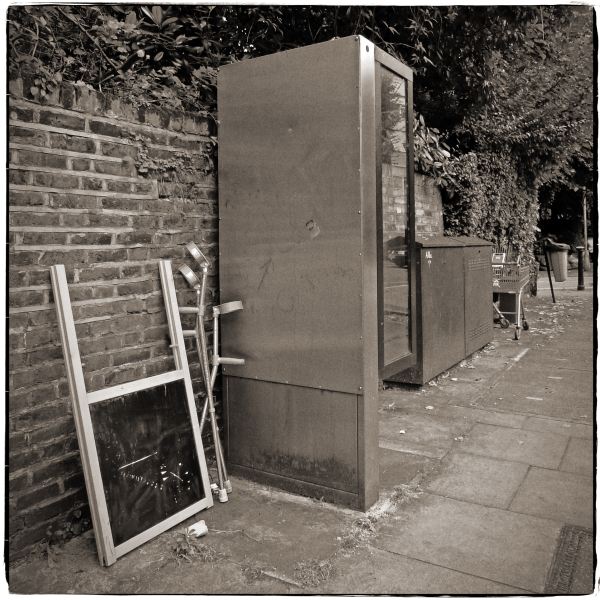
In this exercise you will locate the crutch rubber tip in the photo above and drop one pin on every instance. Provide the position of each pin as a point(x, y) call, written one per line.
point(228, 487)
point(223, 495)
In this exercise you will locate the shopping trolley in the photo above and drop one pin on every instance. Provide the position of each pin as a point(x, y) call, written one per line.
point(509, 280)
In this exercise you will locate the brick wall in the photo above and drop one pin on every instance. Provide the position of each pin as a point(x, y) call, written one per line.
point(428, 206)
point(106, 190)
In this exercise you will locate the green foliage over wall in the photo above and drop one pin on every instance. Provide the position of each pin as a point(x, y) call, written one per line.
point(489, 201)
point(503, 94)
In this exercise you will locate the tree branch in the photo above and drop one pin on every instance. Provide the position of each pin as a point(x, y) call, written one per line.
point(84, 30)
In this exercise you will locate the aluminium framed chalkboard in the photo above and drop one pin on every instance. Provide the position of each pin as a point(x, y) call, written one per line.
point(140, 443)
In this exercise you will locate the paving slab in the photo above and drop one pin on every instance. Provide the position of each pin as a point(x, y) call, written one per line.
point(486, 481)
point(565, 400)
point(565, 497)
point(374, 571)
point(424, 434)
point(531, 447)
point(256, 528)
point(152, 569)
point(477, 415)
point(396, 468)
point(568, 428)
point(579, 457)
point(496, 544)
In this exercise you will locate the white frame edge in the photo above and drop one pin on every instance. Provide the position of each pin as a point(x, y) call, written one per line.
point(81, 400)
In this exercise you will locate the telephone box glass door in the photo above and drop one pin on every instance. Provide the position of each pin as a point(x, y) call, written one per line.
point(395, 234)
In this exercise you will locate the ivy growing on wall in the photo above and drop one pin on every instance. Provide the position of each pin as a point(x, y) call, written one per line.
point(503, 94)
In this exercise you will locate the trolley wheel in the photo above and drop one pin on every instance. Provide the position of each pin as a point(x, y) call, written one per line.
point(517, 333)
point(525, 325)
point(504, 323)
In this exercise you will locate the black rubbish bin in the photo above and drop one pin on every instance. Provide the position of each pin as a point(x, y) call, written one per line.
point(558, 259)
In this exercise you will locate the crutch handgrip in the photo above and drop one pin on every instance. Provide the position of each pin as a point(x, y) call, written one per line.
point(188, 310)
point(189, 332)
point(231, 361)
point(227, 307)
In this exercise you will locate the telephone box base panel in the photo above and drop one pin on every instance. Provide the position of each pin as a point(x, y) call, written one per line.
point(300, 439)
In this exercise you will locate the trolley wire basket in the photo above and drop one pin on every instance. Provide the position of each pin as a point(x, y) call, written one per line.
point(510, 278)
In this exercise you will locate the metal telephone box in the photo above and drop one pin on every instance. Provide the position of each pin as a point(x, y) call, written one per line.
point(316, 210)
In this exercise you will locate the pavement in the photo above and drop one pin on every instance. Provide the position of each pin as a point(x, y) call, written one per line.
point(480, 470)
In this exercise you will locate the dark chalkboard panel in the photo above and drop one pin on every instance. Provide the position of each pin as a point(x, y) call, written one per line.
point(148, 460)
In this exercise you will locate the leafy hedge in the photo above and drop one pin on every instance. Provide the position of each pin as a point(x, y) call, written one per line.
point(503, 94)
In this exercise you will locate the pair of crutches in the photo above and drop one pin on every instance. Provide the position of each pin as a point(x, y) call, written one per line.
point(209, 375)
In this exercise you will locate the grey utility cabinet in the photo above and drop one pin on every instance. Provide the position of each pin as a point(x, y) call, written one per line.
point(316, 209)
point(454, 304)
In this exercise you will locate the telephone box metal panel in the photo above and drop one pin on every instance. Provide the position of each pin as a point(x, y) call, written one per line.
point(276, 414)
point(478, 294)
point(290, 215)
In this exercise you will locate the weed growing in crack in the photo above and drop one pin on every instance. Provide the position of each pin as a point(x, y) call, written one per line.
point(311, 573)
point(189, 548)
point(253, 573)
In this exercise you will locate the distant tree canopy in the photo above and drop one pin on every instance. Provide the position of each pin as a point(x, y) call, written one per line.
point(503, 94)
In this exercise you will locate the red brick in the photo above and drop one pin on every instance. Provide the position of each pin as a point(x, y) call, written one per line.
point(41, 336)
point(18, 177)
point(131, 270)
point(135, 237)
point(96, 362)
point(75, 219)
point(21, 114)
point(63, 121)
point(37, 417)
point(125, 168)
point(44, 354)
point(59, 468)
point(99, 256)
point(122, 187)
point(73, 143)
point(98, 273)
point(132, 355)
point(103, 291)
point(102, 219)
point(63, 257)
point(117, 150)
point(90, 238)
point(22, 135)
point(42, 159)
point(43, 238)
point(92, 183)
point(73, 201)
point(146, 187)
point(103, 344)
point(54, 507)
point(25, 298)
point(37, 495)
point(34, 219)
point(123, 376)
point(80, 164)
point(21, 258)
point(44, 317)
point(18, 278)
point(52, 430)
point(42, 374)
point(121, 204)
point(103, 128)
point(81, 293)
point(26, 198)
point(56, 180)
